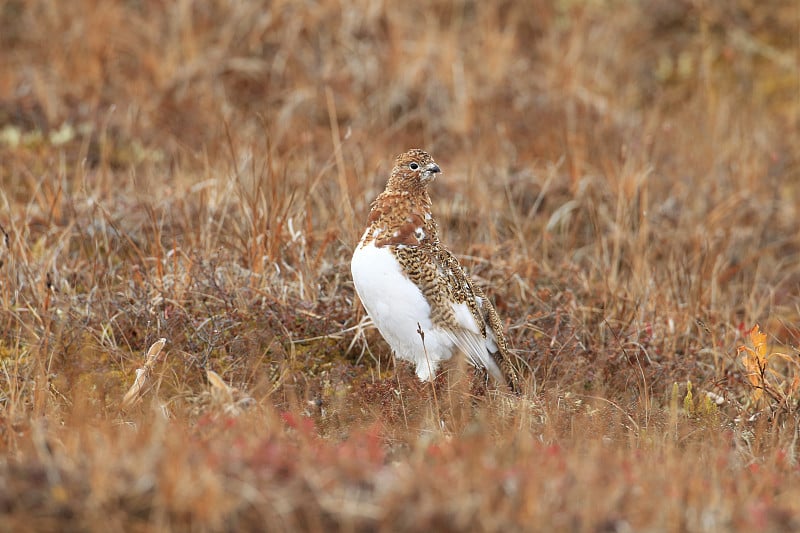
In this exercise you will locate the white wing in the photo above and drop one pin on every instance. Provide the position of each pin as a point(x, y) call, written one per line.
point(469, 340)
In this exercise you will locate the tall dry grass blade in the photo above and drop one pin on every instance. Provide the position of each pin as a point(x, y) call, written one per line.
point(346, 203)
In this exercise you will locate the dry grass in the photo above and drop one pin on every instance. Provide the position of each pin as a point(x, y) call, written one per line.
point(623, 177)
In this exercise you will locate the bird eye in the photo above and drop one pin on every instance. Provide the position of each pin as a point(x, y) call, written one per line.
point(413, 166)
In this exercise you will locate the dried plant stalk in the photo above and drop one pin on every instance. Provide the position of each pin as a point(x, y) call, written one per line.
point(141, 383)
point(231, 399)
point(220, 389)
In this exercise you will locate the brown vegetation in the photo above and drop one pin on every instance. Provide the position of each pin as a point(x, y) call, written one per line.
point(621, 176)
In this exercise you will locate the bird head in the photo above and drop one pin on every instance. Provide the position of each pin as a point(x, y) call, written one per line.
point(413, 171)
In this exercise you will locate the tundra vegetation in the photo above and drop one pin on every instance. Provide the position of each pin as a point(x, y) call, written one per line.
point(622, 178)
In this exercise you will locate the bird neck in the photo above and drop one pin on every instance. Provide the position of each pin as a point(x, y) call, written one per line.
point(393, 204)
point(400, 183)
point(401, 219)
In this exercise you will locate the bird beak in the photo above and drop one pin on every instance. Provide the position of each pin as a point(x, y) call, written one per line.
point(430, 171)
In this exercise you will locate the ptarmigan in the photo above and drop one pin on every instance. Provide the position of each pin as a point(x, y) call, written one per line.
point(409, 283)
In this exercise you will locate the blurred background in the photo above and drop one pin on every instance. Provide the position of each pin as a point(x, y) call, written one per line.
point(519, 82)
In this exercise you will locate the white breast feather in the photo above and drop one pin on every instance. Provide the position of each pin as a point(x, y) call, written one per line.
point(398, 309)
